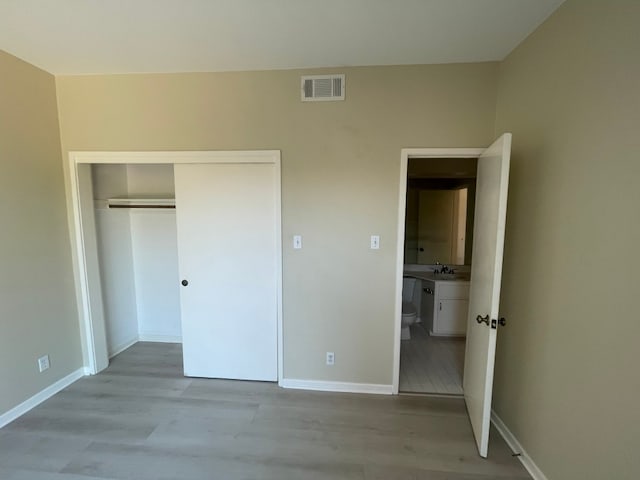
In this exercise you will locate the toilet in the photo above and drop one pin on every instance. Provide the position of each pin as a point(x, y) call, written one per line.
point(409, 310)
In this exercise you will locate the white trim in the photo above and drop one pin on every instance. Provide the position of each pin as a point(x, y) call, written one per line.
point(442, 152)
point(279, 268)
point(397, 326)
point(122, 347)
point(82, 279)
point(516, 447)
point(346, 387)
point(405, 154)
point(152, 337)
point(161, 157)
point(170, 157)
point(40, 397)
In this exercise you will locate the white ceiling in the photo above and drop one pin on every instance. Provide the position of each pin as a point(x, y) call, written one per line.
point(68, 37)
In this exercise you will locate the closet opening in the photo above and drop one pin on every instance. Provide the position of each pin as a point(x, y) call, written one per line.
point(135, 221)
point(167, 246)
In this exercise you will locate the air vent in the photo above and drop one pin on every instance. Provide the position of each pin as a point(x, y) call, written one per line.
point(322, 88)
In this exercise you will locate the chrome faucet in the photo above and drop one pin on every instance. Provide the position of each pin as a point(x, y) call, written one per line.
point(443, 269)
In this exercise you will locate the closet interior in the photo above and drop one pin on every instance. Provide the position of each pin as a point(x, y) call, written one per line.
point(135, 220)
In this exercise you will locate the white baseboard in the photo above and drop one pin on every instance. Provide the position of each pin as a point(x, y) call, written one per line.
point(336, 386)
point(122, 347)
point(515, 446)
point(152, 337)
point(40, 397)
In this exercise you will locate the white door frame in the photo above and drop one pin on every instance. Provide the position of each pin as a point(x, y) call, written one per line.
point(87, 279)
point(405, 155)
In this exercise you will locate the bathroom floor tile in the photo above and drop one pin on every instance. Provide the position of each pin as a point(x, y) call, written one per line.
point(431, 364)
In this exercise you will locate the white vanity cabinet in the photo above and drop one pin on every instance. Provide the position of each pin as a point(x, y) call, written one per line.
point(449, 305)
point(427, 307)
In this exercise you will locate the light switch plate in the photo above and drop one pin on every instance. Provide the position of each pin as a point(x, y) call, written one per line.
point(43, 363)
point(297, 241)
point(375, 242)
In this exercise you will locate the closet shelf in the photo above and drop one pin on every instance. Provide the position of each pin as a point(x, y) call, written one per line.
point(141, 203)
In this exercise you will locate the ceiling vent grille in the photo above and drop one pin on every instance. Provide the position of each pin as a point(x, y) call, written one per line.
point(322, 88)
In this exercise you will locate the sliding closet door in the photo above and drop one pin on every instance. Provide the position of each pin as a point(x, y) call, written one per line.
point(227, 240)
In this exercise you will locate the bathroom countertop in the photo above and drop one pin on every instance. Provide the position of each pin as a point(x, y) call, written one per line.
point(437, 277)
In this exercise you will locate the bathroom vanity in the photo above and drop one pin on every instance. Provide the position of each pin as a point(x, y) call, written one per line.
point(445, 302)
point(445, 306)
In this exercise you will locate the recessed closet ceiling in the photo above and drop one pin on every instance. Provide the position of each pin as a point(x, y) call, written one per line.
point(128, 36)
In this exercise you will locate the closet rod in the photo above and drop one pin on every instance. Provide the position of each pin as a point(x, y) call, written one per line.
point(141, 203)
point(142, 206)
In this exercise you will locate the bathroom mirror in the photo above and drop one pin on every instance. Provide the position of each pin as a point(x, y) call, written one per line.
point(439, 211)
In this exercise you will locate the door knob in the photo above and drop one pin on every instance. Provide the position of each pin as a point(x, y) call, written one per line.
point(184, 283)
point(502, 321)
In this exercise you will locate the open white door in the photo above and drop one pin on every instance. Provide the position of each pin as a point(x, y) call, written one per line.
point(227, 249)
point(484, 296)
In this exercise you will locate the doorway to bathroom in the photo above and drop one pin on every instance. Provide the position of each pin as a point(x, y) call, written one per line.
point(439, 214)
point(447, 289)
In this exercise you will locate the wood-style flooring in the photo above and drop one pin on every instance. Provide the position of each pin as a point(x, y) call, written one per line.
point(431, 364)
point(142, 420)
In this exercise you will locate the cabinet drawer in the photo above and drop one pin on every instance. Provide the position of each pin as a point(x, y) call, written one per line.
point(453, 291)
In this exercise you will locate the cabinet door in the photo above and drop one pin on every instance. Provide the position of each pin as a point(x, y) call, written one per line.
point(452, 316)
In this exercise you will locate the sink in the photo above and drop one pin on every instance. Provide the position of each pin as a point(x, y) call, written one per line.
point(451, 276)
point(429, 275)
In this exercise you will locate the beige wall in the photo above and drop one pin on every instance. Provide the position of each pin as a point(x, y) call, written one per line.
point(567, 381)
point(38, 312)
point(340, 174)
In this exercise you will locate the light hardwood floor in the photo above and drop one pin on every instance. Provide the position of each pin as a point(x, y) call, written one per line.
point(431, 364)
point(142, 420)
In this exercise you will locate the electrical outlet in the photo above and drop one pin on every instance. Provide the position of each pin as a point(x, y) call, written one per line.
point(43, 363)
point(331, 358)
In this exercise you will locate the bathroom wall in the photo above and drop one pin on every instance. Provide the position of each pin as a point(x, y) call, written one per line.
point(411, 226)
point(446, 190)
